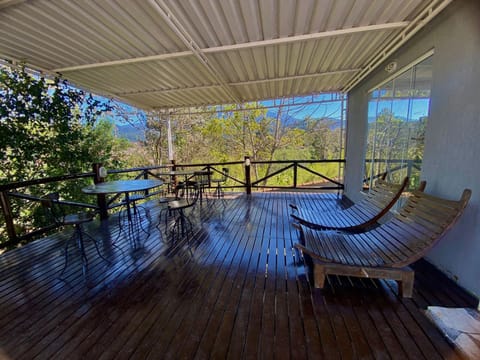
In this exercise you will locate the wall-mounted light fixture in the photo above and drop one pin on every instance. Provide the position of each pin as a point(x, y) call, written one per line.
point(391, 67)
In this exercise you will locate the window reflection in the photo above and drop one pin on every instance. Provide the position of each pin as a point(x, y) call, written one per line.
point(397, 115)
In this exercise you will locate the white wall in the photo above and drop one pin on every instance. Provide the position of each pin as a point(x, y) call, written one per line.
point(452, 144)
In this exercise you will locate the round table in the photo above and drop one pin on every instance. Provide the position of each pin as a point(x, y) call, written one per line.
point(126, 187)
point(122, 186)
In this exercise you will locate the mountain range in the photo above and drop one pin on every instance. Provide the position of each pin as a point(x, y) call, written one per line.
point(134, 134)
point(130, 132)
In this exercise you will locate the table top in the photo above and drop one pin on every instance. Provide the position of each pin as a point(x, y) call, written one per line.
point(119, 186)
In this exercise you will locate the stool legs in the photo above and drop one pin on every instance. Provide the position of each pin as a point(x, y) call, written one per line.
point(78, 235)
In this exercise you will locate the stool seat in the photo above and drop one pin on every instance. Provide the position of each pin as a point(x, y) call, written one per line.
point(54, 210)
point(79, 218)
point(177, 208)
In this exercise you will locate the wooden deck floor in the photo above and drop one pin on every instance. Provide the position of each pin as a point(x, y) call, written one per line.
point(238, 290)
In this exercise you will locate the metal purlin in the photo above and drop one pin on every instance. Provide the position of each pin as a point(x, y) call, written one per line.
point(164, 11)
point(413, 27)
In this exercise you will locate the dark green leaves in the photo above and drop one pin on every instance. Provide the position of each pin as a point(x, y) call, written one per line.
point(44, 126)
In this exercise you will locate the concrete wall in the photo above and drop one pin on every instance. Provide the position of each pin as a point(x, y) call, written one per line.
point(452, 145)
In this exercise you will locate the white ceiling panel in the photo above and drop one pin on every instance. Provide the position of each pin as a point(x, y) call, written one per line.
point(170, 53)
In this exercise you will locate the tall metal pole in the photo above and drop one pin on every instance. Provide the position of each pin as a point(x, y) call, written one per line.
point(248, 180)
point(171, 154)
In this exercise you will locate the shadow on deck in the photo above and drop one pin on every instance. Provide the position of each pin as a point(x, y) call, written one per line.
point(237, 289)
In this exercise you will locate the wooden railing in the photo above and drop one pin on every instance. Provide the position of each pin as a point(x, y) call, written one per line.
point(32, 190)
point(245, 177)
point(396, 170)
point(251, 182)
point(327, 183)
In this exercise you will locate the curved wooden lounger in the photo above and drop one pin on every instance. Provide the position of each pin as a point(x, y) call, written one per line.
point(387, 250)
point(359, 216)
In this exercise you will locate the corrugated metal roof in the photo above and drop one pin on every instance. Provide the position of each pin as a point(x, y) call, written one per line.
point(170, 53)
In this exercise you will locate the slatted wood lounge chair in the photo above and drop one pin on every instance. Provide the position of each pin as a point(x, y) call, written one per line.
point(359, 216)
point(387, 250)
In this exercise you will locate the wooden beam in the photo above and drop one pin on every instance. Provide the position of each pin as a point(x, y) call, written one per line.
point(7, 215)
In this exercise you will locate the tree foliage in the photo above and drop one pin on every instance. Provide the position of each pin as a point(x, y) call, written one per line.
point(393, 141)
point(249, 129)
point(46, 126)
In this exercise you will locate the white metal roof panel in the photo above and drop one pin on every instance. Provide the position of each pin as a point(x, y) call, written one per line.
point(170, 53)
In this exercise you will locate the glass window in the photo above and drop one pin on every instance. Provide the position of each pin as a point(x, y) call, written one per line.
point(397, 115)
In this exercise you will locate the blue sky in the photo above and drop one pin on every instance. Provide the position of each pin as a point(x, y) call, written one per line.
point(402, 108)
point(330, 108)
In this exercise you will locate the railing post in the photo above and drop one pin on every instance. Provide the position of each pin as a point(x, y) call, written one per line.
point(7, 214)
point(409, 169)
point(209, 175)
point(101, 198)
point(174, 178)
point(295, 170)
point(248, 180)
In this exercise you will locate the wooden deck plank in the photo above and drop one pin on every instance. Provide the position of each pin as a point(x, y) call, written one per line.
point(225, 303)
point(231, 314)
point(73, 324)
point(240, 326)
point(299, 348)
point(282, 317)
point(203, 282)
point(238, 290)
point(252, 340)
point(372, 335)
point(410, 321)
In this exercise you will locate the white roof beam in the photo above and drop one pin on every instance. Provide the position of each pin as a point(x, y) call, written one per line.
point(125, 61)
point(295, 77)
point(248, 45)
point(306, 37)
point(249, 82)
point(166, 91)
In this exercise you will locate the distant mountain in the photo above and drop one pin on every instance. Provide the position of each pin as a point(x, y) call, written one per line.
point(286, 118)
point(294, 122)
point(134, 134)
point(130, 132)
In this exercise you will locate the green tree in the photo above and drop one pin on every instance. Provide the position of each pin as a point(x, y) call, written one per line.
point(207, 137)
point(187, 137)
point(105, 147)
point(322, 141)
point(45, 126)
point(48, 128)
point(392, 141)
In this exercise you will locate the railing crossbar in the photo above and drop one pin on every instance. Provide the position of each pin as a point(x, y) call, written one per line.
point(228, 176)
point(20, 184)
point(320, 175)
point(64, 202)
point(272, 174)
